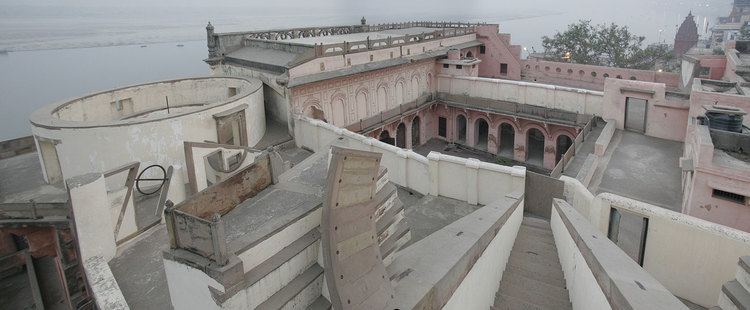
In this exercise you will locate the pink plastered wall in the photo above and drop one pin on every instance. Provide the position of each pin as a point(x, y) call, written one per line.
point(666, 118)
point(498, 51)
point(332, 63)
point(590, 77)
point(709, 174)
point(429, 119)
point(348, 99)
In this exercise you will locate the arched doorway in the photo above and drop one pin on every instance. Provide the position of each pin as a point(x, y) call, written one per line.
point(481, 134)
point(469, 55)
point(563, 144)
point(315, 113)
point(415, 141)
point(401, 136)
point(535, 147)
point(507, 140)
point(385, 137)
point(461, 129)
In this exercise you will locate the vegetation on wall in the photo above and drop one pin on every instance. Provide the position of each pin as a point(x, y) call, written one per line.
point(604, 45)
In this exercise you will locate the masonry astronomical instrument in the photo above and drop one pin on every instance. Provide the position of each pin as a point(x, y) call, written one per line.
point(724, 117)
point(152, 185)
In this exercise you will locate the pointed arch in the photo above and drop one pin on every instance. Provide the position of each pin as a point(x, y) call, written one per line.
point(382, 98)
point(338, 110)
point(415, 89)
point(362, 108)
point(400, 95)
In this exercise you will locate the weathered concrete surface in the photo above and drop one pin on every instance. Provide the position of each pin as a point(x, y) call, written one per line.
point(644, 168)
point(139, 270)
point(21, 179)
point(276, 133)
point(107, 293)
point(428, 214)
point(533, 278)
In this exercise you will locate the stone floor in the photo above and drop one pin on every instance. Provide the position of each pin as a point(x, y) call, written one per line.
point(21, 180)
point(139, 270)
point(428, 214)
point(276, 133)
point(643, 168)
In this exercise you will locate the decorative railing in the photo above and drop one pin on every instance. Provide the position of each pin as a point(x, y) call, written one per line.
point(372, 122)
point(518, 109)
point(222, 43)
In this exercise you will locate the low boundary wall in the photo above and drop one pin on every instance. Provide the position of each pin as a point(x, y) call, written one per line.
point(437, 174)
point(693, 258)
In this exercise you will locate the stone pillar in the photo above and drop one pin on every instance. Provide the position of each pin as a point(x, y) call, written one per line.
point(408, 133)
point(493, 140)
point(519, 149)
point(549, 152)
point(472, 180)
point(434, 163)
point(92, 216)
point(471, 139)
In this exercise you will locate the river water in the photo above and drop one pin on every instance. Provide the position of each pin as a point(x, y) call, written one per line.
point(58, 52)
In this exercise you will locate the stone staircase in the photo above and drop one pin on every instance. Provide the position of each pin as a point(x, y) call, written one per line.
point(533, 278)
point(735, 294)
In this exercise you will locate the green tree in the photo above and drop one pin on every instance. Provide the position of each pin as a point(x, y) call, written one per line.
point(604, 45)
point(745, 32)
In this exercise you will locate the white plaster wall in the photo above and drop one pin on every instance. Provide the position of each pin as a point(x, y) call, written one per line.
point(82, 150)
point(556, 97)
point(251, 297)
point(691, 257)
point(188, 287)
point(583, 289)
point(94, 227)
point(104, 288)
point(203, 170)
point(478, 289)
point(439, 175)
point(269, 247)
point(336, 62)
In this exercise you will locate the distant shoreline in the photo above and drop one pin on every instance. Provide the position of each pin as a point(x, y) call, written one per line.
point(12, 50)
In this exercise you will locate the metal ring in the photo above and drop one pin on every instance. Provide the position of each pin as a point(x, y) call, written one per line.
point(139, 179)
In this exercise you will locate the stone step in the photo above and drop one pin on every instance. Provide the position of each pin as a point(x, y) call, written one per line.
point(530, 242)
point(538, 233)
point(504, 302)
point(320, 304)
point(549, 278)
point(734, 296)
point(291, 290)
point(743, 272)
point(531, 290)
point(536, 222)
point(543, 267)
point(535, 255)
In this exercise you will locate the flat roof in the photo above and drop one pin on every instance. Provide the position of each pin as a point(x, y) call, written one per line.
point(362, 36)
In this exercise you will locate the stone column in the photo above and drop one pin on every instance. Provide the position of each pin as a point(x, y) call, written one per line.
point(471, 139)
point(549, 152)
point(493, 140)
point(519, 149)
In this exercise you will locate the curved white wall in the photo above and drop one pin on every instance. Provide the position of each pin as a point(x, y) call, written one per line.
point(155, 140)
